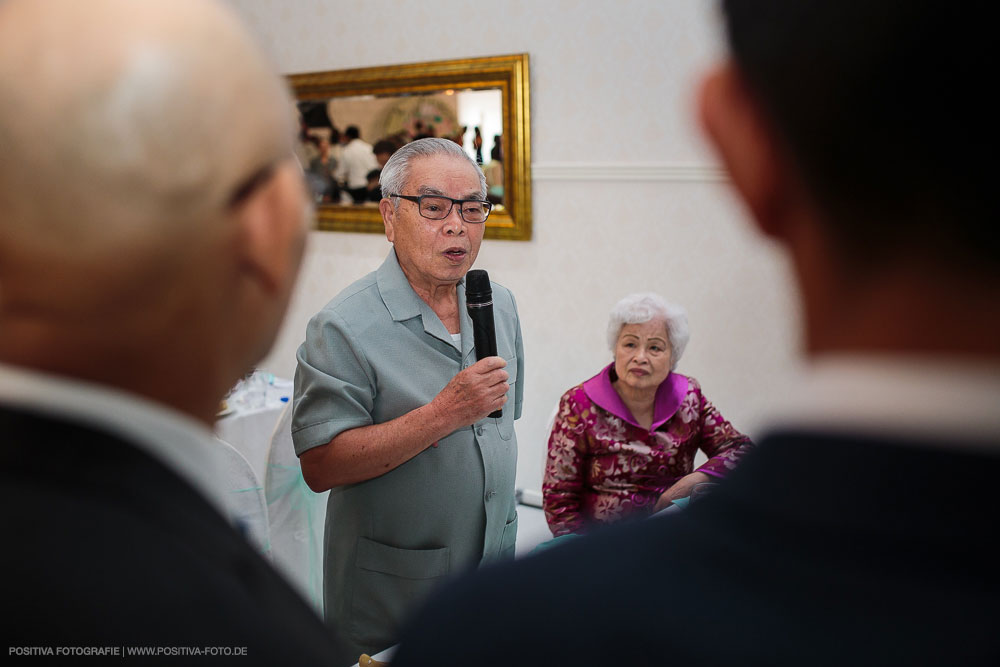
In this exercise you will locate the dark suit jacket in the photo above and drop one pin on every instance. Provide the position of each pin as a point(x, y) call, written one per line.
point(104, 546)
point(817, 550)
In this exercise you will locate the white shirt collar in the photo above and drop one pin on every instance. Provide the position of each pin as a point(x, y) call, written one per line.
point(178, 441)
point(926, 399)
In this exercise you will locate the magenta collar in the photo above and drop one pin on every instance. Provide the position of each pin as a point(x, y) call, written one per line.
point(669, 395)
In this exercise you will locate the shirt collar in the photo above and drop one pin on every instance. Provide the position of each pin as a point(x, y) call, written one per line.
point(404, 304)
point(395, 290)
point(922, 398)
point(176, 440)
point(669, 396)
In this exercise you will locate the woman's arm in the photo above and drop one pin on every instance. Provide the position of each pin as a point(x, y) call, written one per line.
point(563, 481)
point(680, 489)
point(715, 436)
point(720, 441)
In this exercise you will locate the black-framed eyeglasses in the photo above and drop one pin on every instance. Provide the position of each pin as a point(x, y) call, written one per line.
point(438, 207)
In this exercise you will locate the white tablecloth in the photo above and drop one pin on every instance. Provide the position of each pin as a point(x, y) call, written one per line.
point(249, 429)
point(281, 514)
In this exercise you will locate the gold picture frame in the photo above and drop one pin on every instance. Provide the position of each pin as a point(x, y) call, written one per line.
point(509, 74)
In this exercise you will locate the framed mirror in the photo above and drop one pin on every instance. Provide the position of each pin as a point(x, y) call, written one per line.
point(481, 103)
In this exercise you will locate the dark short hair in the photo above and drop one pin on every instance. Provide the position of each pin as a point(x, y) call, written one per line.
point(352, 132)
point(878, 103)
point(314, 114)
point(384, 146)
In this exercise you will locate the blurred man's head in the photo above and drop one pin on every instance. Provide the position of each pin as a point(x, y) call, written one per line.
point(134, 214)
point(876, 106)
point(856, 135)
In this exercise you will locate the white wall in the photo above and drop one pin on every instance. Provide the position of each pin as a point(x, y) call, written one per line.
point(612, 96)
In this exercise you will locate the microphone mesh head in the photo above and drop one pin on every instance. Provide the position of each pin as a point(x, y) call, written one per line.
point(477, 286)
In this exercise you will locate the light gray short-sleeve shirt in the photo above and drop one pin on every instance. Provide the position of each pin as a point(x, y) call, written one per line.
point(375, 353)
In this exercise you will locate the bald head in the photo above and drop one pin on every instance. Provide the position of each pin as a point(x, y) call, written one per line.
point(123, 120)
point(148, 198)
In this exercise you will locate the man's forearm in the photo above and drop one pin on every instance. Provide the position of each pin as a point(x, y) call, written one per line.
point(369, 451)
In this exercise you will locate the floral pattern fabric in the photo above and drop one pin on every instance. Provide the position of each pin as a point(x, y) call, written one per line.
point(602, 467)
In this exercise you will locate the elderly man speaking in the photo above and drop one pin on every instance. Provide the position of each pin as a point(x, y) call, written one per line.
point(391, 406)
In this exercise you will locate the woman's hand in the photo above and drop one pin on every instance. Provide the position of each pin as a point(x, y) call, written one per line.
point(680, 489)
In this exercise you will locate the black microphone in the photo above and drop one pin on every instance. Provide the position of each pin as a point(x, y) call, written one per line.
point(479, 301)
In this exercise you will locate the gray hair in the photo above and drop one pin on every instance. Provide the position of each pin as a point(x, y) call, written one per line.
point(642, 307)
point(396, 171)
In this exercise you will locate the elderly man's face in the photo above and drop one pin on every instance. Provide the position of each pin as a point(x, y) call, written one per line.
point(435, 252)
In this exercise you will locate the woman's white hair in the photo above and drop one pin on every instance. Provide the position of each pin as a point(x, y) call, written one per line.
point(642, 307)
point(396, 171)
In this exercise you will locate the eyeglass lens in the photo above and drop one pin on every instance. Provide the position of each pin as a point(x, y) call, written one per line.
point(438, 208)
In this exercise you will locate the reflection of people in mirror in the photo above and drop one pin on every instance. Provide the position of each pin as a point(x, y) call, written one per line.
point(422, 131)
point(494, 174)
point(320, 173)
point(305, 148)
point(383, 149)
point(477, 143)
point(374, 188)
point(459, 136)
point(357, 158)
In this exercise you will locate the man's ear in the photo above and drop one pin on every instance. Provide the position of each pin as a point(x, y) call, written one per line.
point(271, 224)
point(388, 212)
point(734, 124)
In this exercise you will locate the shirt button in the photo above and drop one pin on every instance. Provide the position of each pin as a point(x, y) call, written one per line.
point(479, 430)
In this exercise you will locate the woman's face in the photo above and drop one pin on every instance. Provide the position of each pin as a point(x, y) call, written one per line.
point(643, 355)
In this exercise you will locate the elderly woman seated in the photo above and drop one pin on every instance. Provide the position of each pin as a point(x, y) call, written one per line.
point(623, 442)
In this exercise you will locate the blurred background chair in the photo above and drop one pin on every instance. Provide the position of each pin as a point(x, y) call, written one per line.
point(297, 515)
point(245, 498)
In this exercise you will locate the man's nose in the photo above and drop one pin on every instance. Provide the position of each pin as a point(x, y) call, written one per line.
point(453, 223)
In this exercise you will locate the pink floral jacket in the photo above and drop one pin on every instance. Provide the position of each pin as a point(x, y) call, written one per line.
point(603, 466)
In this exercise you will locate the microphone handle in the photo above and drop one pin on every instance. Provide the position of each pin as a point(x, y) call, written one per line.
point(485, 336)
